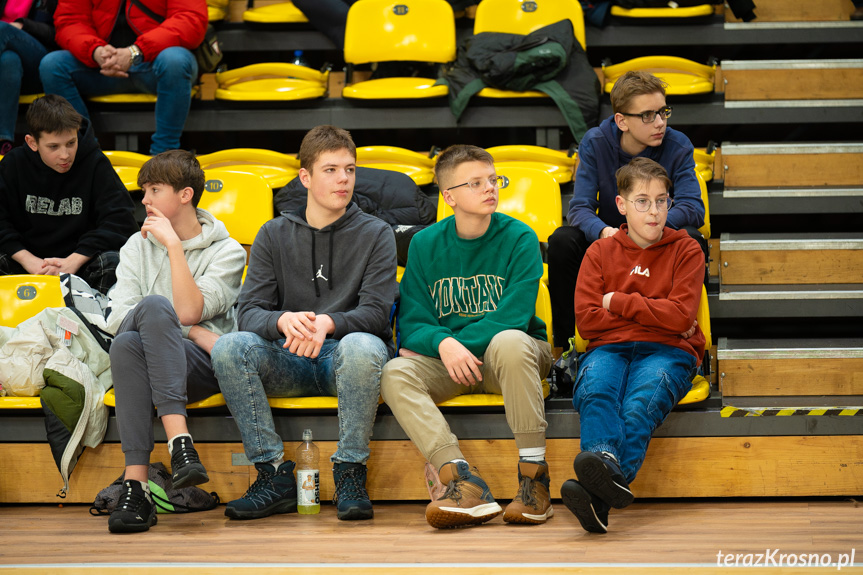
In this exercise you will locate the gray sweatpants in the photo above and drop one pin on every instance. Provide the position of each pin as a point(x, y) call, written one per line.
point(152, 364)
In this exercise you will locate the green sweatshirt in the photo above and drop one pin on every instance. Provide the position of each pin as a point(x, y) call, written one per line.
point(470, 289)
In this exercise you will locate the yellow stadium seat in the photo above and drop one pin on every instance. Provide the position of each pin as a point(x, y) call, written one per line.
point(514, 17)
point(683, 77)
point(28, 98)
point(418, 166)
point(275, 167)
point(679, 12)
point(704, 162)
point(131, 98)
point(243, 201)
point(272, 81)
point(403, 30)
point(559, 165)
point(217, 10)
point(216, 400)
point(9, 402)
point(127, 164)
point(529, 195)
point(700, 386)
point(704, 229)
point(23, 296)
point(281, 13)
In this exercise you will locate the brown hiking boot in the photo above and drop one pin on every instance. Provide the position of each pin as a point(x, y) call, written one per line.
point(532, 503)
point(466, 501)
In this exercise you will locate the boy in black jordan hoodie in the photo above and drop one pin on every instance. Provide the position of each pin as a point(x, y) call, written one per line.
point(63, 209)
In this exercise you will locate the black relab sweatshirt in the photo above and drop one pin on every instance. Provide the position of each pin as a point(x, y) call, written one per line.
point(86, 210)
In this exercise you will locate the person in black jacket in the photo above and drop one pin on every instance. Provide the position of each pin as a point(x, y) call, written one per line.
point(63, 209)
point(24, 41)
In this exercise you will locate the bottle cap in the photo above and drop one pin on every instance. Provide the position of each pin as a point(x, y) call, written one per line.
point(307, 435)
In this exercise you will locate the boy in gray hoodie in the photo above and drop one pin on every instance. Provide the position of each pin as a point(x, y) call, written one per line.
point(177, 284)
point(314, 313)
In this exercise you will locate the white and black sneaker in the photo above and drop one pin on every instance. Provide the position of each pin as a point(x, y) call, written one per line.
point(135, 511)
point(591, 511)
point(186, 466)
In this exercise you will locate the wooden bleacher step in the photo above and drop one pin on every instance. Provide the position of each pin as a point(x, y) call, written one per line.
point(792, 82)
point(790, 275)
point(798, 11)
point(792, 165)
point(791, 373)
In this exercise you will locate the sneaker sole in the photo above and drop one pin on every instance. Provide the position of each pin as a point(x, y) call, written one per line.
point(596, 477)
point(529, 518)
point(282, 506)
point(451, 517)
point(355, 514)
point(577, 500)
point(189, 476)
point(120, 527)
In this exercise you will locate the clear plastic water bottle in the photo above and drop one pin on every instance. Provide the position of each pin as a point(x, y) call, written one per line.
point(308, 476)
point(299, 60)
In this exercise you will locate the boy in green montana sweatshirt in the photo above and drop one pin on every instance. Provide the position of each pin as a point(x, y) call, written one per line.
point(468, 326)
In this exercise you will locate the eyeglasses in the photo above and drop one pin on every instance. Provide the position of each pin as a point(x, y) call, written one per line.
point(479, 185)
point(649, 116)
point(643, 204)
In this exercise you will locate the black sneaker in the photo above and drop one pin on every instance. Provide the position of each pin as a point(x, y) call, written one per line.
point(591, 511)
point(135, 511)
point(274, 491)
point(351, 498)
point(185, 464)
point(600, 474)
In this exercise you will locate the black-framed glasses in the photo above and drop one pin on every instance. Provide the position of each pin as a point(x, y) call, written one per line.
point(649, 116)
point(643, 204)
point(480, 184)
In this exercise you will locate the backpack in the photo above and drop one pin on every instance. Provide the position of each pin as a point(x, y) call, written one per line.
point(165, 497)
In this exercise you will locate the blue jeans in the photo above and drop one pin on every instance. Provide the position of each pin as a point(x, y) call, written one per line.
point(170, 76)
point(20, 54)
point(623, 392)
point(250, 368)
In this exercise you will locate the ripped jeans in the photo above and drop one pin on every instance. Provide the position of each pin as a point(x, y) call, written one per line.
point(624, 391)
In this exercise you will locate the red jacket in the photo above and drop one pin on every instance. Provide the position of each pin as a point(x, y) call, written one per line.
point(84, 25)
point(656, 291)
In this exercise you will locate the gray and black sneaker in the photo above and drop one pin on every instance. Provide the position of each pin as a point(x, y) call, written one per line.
point(600, 474)
point(591, 511)
point(135, 511)
point(351, 498)
point(274, 491)
point(186, 466)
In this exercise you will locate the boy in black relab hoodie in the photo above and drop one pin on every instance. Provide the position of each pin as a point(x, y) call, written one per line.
point(63, 209)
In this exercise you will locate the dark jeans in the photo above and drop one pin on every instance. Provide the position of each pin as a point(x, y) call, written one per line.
point(566, 249)
point(152, 364)
point(100, 272)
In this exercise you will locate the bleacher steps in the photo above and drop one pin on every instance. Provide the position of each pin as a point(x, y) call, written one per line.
point(798, 11)
point(786, 200)
point(795, 372)
point(792, 165)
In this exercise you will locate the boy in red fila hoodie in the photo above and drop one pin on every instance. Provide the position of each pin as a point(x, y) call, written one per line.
point(636, 300)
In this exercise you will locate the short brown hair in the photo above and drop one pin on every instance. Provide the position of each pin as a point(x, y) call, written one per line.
point(632, 84)
point(322, 139)
point(640, 170)
point(454, 156)
point(176, 168)
point(51, 114)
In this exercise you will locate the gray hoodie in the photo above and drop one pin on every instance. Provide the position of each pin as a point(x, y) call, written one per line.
point(346, 270)
point(216, 262)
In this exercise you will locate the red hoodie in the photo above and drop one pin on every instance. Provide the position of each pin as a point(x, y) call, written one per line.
point(656, 291)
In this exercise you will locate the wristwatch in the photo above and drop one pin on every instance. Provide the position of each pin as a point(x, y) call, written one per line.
point(137, 55)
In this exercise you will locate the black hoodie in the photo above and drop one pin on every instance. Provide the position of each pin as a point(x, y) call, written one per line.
point(87, 210)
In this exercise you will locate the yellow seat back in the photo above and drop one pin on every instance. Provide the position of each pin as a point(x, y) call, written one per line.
point(272, 81)
point(23, 296)
point(682, 77)
point(404, 30)
point(704, 229)
point(679, 12)
point(523, 17)
point(419, 167)
point(559, 165)
point(275, 167)
point(529, 195)
point(281, 13)
point(242, 201)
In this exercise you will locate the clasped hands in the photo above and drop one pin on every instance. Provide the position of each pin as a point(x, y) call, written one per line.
point(305, 332)
point(114, 62)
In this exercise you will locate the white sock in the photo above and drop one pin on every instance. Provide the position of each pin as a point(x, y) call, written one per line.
point(277, 463)
point(171, 442)
point(535, 454)
point(452, 461)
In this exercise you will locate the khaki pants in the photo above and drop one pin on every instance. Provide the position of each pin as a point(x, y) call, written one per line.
point(513, 365)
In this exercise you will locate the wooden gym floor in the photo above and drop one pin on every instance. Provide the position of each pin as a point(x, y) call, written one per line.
point(651, 536)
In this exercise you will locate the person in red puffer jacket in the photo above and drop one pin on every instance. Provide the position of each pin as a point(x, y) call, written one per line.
point(120, 46)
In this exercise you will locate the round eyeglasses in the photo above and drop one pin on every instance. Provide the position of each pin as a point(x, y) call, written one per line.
point(643, 204)
point(479, 184)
